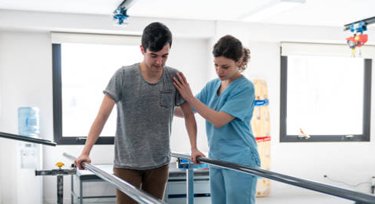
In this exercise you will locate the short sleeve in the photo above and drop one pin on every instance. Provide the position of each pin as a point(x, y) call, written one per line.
point(115, 86)
point(169, 74)
point(240, 103)
point(202, 95)
point(206, 93)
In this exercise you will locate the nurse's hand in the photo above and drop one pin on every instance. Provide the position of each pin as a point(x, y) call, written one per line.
point(195, 153)
point(183, 87)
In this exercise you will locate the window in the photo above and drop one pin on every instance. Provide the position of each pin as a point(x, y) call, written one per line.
point(325, 95)
point(82, 67)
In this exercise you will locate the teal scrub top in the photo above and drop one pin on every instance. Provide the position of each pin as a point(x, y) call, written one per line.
point(233, 142)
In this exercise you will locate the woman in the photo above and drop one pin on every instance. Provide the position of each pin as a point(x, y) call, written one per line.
point(227, 105)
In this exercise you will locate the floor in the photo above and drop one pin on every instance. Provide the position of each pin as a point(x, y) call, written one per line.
point(266, 200)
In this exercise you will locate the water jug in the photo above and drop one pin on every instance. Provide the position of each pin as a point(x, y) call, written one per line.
point(28, 121)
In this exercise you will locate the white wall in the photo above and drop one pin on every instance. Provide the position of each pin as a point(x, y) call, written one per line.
point(24, 82)
point(26, 79)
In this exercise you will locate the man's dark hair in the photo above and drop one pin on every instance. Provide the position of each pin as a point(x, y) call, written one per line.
point(155, 36)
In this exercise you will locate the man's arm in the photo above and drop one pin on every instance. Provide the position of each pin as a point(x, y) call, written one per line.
point(191, 127)
point(95, 130)
point(178, 112)
point(217, 118)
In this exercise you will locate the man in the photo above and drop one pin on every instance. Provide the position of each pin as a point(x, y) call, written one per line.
point(145, 98)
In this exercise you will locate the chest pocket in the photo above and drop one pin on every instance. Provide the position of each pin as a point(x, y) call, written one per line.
point(166, 99)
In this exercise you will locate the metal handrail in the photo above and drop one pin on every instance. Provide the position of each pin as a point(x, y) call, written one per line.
point(26, 139)
point(125, 187)
point(311, 185)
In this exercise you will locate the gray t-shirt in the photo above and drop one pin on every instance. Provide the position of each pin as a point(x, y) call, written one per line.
point(144, 120)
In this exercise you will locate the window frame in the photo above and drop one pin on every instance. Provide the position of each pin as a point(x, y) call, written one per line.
point(57, 106)
point(58, 38)
point(365, 137)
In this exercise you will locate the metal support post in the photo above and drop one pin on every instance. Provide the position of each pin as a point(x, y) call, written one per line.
point(59, 173)
point(190, 184)
point(60, 189)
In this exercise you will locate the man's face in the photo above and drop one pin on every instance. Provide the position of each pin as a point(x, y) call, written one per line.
point(155, 61)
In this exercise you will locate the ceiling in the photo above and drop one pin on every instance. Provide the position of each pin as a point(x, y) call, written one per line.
point(311, 12)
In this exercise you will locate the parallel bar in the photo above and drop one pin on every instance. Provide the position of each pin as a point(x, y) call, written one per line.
point(131, 191)
point(26, 139)
point(315, 186)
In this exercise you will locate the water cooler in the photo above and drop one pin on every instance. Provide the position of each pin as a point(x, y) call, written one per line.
point(29, 186)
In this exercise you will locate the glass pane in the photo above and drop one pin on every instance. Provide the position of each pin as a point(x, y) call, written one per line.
point(85, 72)
point(325, 95)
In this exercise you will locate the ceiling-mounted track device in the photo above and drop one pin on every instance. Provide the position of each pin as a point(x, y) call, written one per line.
point(359, 38)
point(120, 14)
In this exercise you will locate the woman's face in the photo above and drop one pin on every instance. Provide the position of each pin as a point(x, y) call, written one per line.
point(226, 69)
